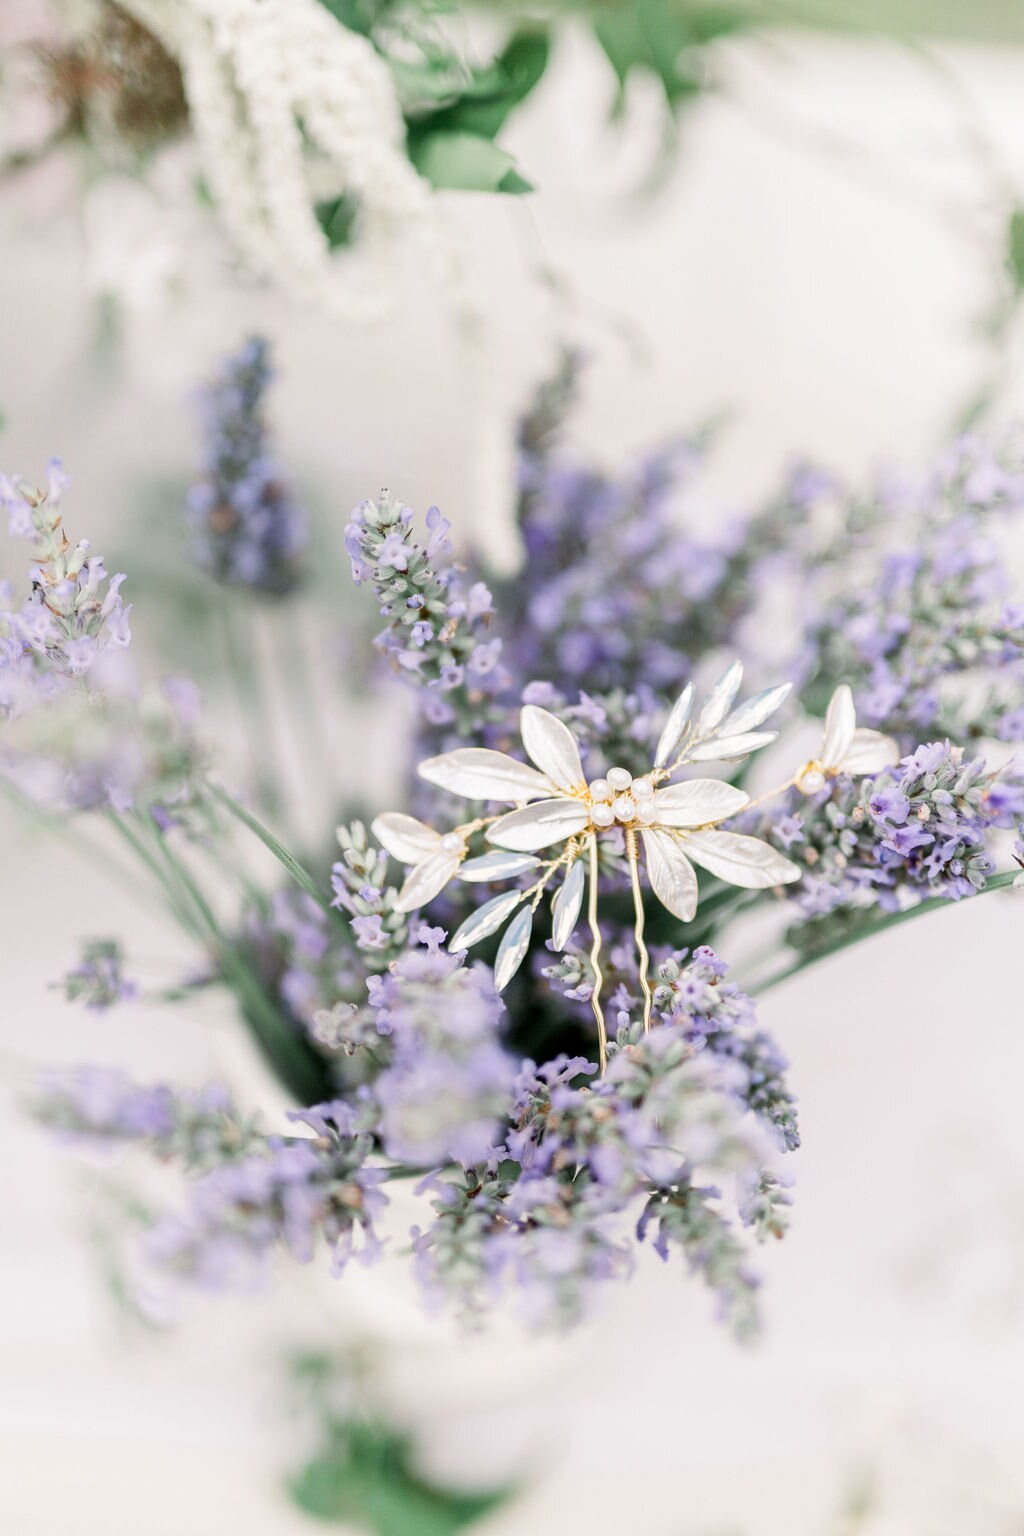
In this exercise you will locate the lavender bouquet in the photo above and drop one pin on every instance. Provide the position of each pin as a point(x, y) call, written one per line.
point(510, 989)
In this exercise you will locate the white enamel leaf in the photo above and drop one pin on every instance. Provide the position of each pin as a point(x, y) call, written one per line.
point(406, 839)
point(480, 774)
point(513, 947)
point(540, 825)
point(486, 919)
point(720, 700)
point(755, 711)
point(724, 749)
point(696, 802)
point(741, 860)
point(670, 873)
point(674, 727)
point(840, 724)
point(551, 745)
point(565, 909)
point(427, 879)
point(498, 866)
point(869, 752)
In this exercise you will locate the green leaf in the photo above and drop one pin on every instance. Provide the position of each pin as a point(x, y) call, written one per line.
point(439, 95)
point(523, 61)
point(1015, 249)
point(303, 879)
point(665, 38)
point(358, 15)
point(464, 161)
point(514, 183)
point(424, 84)
point(871, 925)
point(336, 218)
point(364, 1475)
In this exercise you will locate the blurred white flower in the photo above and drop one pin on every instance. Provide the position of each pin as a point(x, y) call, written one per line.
point(133, 243)
point(290, 108)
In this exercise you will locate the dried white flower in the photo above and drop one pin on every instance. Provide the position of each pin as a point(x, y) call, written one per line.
point(290, 108)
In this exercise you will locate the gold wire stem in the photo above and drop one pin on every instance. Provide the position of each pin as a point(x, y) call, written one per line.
point(771, 794)
point(468, 827)
point(638, 926)
point(595, 961)
point(536, 891)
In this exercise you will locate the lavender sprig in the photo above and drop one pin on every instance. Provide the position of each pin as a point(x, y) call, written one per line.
point(438, 630)
point(77, 730)
point(74, 615)
point(98, 980)
point(545, 1226)
point(362, 889)
point(914, 607)
point(247, 530)
point(922, 830)
point(246, 1193)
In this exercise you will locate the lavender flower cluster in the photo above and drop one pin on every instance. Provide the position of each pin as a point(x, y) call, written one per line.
point(540, 1170)
point(246, 1192)
point(923, 624)
point(541, 1176)
point(286, 1192)
point(925, 829)
point(73, 620)
point(438, 630)
point(98, 981)
point(246, 528)
point(545, 1223)
point(78, 731)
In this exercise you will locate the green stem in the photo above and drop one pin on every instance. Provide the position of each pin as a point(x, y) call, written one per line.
point(293, 1060)
point(303, 879)
point(877, 925)
point(179, 911)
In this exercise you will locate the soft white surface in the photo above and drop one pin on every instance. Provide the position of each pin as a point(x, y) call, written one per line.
point(815, 291)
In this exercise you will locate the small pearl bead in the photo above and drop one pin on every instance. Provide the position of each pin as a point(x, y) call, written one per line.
point(602, 815)
point(451, 842)
point(624, 808)
point(646, 812)
point(600, 789)
point(810, 782)
point(618, 778)
point(642, 789)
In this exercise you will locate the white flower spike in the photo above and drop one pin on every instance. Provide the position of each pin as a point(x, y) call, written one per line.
point(561, 816)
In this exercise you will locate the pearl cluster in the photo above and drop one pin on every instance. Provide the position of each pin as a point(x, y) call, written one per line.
point(621, 798)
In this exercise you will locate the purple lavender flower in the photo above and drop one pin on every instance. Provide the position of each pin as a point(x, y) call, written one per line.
point(923, 829)
point(102, 1107)
point(98, 980)
point(447, 1084)
point(247, 530)
point(77, 731)
point(247, 1193)
point(437, 632)
point(73, 622)
point(586, 1152)
point(285, 1192)
point(924, 632)
point(303, 958)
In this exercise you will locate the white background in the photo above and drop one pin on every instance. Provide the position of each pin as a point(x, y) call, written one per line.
point(817, 261)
